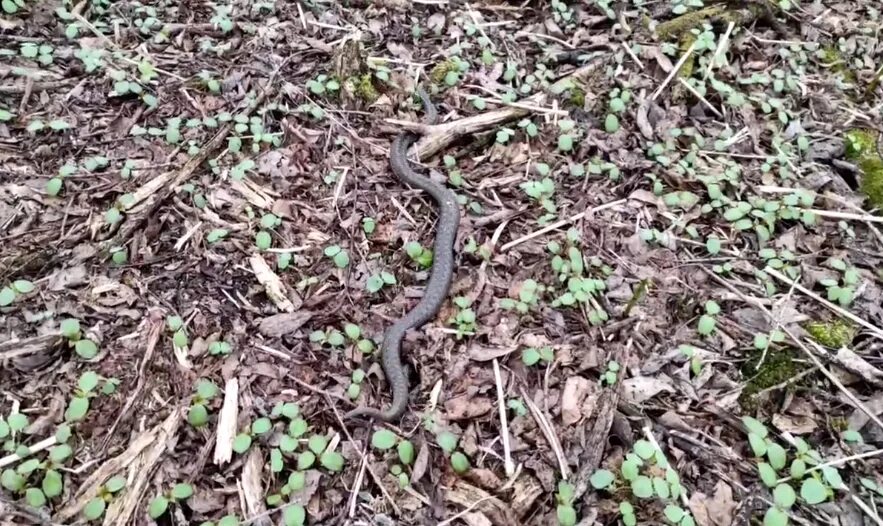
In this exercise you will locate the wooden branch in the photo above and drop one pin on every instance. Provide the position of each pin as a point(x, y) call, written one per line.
point(437, 137)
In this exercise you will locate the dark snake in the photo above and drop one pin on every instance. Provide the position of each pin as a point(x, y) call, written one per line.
point(439, 278)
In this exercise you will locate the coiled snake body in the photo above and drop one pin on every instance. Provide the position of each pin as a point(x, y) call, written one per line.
point(439, 278)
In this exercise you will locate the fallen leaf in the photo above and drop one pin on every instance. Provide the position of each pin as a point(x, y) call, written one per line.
point(639, 389)
point(466, 407)
point(575, 390)
point(283, 323)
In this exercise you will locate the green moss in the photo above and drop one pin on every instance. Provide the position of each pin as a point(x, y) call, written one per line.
point(872, 180)
point(778, 366)
point(835, 334)
point(363, 88)
point(577, 97)
point(688, 21)
point(438, 73)
point(833, 59)
point(862, 148)
point(838, 424)
point(861, 143)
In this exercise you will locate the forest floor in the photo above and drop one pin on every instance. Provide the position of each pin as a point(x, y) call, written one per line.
point(666, 306)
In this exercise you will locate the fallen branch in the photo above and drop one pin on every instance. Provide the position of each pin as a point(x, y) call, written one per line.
point(436, 137)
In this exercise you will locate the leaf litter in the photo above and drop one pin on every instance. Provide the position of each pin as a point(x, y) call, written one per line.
point(666, 303)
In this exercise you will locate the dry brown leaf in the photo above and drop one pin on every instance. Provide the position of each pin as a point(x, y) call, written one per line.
point(639, 389)
point(575, 390)
point(467, 407)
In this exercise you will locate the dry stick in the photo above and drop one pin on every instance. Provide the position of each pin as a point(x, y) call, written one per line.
point(377, 480)
point(674, 71)
point(549, 432)
point(437, 137)
point(720, 48)
point(836, 462)
point(699, 96)
point(559, 224)
point(813, 358)
point(504, 425)
point(464, 512)
point(652, 439)
point(36, 448)
point(838, 310)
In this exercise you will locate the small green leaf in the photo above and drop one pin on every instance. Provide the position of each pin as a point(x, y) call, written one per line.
point(383, 439)
point(22, 286)
point(294, 516)
point(7, 296)
point(777, 456)
point(784, 496)
point(642, 487)
point(241, 443)
point(566, 515)
point(263, 240)
point(35, 498)
point(86, 349)
point(182, 491)
point(447, 441)
point(767, 474)
point(611, 123)
point(52, 484)
point(77, 409)
point(754, 426)
point(94, 509)
point(297, 480)
point(459, 462)
point(158, 507)
point(644, 449)
point(674, 513)
point(115, 484)
point(706, 325)
point(601, 478)
point(317, 443)
point(775, 517)
point(332, 461)
point(261, 426)
point(306, 460)
point(406, 452)
point(70, 328)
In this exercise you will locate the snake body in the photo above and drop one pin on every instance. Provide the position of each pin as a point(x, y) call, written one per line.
point(439, 278)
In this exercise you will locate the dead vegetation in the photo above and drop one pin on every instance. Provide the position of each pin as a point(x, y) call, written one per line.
point(667, 302)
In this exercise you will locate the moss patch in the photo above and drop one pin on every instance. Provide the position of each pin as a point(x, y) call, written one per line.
point(362, 87)
point(833, 59)
point(862, 148)
point(441, 70)
point(779, 366)
point(835, 334)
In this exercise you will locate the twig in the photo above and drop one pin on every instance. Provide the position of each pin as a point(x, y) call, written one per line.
point(837, 462)
point(36, 448)
point(374, 476)
point(809, 354)
point(559, 224)
point(720, 48)
point(838, 310)
point(549, 432)
point(465, 511)
point(699, 96)
point(652, 439)
point(504, 425)
point(674, 71)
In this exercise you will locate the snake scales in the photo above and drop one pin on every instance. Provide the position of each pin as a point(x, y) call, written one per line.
point(439, 278)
